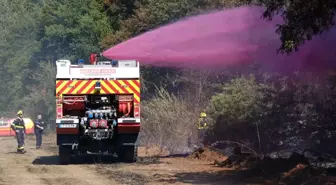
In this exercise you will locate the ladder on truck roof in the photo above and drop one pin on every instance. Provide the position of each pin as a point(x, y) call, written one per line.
point(122, 69)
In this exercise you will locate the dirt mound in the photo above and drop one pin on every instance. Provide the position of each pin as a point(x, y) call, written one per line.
point(207, 154)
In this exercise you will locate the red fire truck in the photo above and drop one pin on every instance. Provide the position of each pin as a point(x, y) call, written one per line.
point(97, 108)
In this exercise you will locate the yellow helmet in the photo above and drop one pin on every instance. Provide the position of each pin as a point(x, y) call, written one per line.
point(20, 112)
point(202, 115)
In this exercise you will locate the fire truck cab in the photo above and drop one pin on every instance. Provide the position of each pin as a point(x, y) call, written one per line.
point(97, 108)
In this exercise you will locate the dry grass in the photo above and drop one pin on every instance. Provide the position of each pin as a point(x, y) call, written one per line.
point(167, 122)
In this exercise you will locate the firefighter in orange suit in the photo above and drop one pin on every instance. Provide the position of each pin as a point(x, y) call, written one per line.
point(19, 128)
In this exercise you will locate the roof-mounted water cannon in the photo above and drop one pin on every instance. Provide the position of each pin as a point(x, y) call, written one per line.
point(94, 58)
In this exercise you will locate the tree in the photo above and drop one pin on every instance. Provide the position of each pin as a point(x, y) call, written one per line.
point(237, 109)
point(303, 20)
point(18, 32)
point(41, 99)
point(72, 29)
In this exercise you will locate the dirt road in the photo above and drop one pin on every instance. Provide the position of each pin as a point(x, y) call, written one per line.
point(38, 167)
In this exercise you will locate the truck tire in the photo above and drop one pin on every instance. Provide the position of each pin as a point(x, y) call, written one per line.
point(64, 155)
point(128, 154)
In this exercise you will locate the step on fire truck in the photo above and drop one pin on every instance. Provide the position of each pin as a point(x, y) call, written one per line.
point(97, 108)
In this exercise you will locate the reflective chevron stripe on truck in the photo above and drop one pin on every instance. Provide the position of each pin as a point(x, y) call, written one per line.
point(77, 87)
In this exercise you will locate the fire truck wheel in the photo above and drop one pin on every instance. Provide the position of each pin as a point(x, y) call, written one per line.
point(64, 154)
point(128, 154)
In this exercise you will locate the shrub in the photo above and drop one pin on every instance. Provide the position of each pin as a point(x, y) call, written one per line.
point(167, 122)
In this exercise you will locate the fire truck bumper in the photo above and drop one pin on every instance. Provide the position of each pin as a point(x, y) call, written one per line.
point(128, 125)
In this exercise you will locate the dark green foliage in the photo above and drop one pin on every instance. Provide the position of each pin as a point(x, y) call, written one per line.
point(72, 29)
point(303, 20)
point(18, 31)
point(293, 112)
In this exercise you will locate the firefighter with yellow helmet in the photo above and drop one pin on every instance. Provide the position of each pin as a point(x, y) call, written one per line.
point(202, 126)
point(19, 128)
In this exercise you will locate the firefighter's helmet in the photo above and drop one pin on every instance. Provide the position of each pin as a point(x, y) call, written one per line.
point(20, 112)
point(203, 115)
